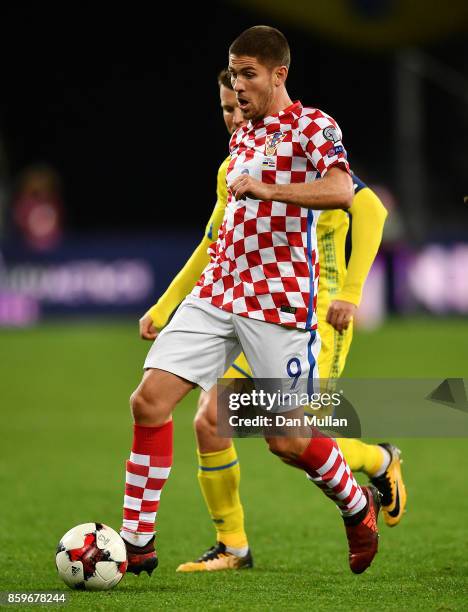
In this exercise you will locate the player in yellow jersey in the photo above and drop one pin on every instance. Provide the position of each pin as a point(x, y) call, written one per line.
point(339, 295)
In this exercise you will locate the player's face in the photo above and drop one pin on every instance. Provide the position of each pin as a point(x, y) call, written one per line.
point(232, 114)
point(254, 86)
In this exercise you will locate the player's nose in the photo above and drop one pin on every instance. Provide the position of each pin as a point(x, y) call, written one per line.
point(237, 84)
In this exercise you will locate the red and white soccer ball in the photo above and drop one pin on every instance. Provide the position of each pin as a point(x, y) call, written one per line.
point(91, 556)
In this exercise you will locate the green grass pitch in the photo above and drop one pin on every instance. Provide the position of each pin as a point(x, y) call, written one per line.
point(66, 434)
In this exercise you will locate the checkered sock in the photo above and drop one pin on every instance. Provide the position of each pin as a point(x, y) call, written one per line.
point(327, 468)
point(147, 471)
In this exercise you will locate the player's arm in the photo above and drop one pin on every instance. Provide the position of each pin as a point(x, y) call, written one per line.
point(158, 315)
point(320, 139)
point(368, 218)
point(334, 190)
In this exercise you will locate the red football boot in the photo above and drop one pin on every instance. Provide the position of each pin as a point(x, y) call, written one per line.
point(363, 536)
point(141, 558)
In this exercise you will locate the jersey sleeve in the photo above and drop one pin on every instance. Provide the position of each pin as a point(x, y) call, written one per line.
point(213, 225)
point(368, 219)
point(181, 285)
point(186, 279)
point(321, 140)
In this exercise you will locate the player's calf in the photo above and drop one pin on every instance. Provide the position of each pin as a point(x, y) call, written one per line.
point(326, 467)
point(149, 465)
point(205, 424)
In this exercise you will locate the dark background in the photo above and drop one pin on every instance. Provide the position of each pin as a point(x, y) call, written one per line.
point(124, 104)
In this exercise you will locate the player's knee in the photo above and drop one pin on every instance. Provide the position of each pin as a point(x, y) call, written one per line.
point(139, 405)
point(282, 448)
point(148, 408)
point(277, 446)
point(204, 423)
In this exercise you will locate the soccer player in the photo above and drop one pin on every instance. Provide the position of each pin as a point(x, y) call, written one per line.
point(257, 294)
point(338, 296)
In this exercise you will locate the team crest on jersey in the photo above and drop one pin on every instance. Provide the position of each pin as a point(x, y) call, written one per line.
point(272, 141)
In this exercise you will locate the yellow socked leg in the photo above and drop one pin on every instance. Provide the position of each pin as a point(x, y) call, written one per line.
point(219, 477)
point(362, 457)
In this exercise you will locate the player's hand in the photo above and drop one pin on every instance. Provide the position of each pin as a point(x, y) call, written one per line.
point(147, 329)
point(340, 314)
point(245, 186)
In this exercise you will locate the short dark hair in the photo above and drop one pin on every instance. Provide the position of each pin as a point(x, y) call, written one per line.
point(266, 44)
point(224, 78)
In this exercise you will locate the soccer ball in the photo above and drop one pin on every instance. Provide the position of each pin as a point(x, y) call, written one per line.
point(91, 556)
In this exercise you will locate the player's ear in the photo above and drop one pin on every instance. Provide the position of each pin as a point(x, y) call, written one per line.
point(281, 74)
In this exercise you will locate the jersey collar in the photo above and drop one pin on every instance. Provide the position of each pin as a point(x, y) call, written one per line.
point(293, 111)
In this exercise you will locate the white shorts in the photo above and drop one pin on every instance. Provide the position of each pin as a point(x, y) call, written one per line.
point(201, 342)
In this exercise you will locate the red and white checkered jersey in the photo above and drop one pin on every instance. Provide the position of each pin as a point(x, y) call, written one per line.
point(264, 264)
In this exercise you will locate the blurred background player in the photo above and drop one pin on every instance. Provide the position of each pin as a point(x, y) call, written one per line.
point(38, 210)
point(340, 291)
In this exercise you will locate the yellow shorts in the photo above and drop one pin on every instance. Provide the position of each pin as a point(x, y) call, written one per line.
point(332, 357)
point(335, 346)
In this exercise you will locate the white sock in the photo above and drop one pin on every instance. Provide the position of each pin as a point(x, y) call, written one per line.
point(386, 458)
point(239, 552)
point(137, 539)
